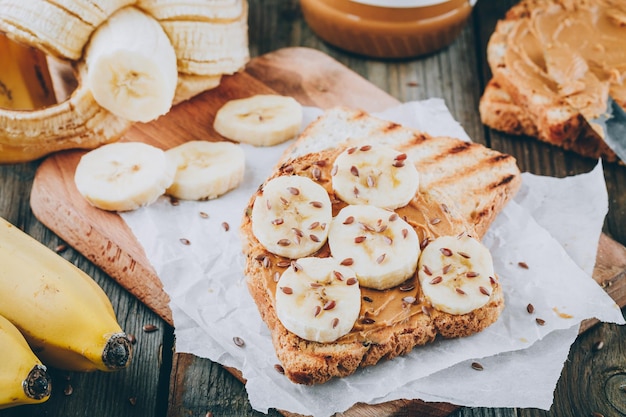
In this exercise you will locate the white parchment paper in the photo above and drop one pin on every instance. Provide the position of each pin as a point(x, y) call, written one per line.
point(553, 226)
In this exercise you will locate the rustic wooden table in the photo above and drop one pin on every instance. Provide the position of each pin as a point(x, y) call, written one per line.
point(161, 383)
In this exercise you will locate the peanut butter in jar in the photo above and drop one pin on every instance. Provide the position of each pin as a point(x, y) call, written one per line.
point(387, 28)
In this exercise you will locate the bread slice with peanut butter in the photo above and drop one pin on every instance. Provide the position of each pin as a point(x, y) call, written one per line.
point(462, 188)
point(554, 63)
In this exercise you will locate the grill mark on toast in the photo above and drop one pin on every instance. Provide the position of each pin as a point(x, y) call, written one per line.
point(462, 147)
point(481, 163)
point(503, 181)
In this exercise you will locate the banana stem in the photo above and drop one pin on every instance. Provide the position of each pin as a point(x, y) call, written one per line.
point(117, 352)
point(37, 384)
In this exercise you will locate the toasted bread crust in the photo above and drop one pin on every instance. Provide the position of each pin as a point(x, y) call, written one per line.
point(306, 362)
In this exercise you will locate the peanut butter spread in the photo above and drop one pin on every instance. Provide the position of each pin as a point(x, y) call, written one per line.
point(575, 49)
point(381, 310)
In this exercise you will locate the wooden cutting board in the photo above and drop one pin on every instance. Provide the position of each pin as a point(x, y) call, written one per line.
point(311, 77)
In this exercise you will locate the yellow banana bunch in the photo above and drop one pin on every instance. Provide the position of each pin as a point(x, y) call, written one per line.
point(23, 378)
point(133, 60)
point(64, 315)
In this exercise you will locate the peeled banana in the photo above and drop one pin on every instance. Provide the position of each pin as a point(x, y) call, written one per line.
point(131, 66)
point(208, 39)
point(23, 378)
point(64, 315)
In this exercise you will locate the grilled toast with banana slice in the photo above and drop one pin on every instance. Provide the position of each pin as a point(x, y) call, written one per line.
point(344, 271)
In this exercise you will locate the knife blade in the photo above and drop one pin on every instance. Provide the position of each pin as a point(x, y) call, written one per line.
point(613, 123)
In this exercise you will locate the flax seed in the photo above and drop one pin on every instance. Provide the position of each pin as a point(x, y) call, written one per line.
point(149, 328)
point(436, 280)
point(477, 366)
point(317, 173)
point(446, 251)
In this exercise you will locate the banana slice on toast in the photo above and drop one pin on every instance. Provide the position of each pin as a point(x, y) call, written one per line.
point(291, 216)
point(456, 274)
point(318, 299)
point(380, 246)
point(376, 175)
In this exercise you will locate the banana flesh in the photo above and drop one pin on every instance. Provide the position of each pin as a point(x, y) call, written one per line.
point(259, 120)
point(291, 216)
point(380, 246)
point(318, 299)
point(123, 176)
point(456, 274)
point(61, 311)
point(375, 175)
point(205, 170)
point(23, 378)
point(208, 38)
point(131, 66)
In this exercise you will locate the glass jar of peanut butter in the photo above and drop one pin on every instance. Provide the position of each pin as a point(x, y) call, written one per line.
point(387, 28)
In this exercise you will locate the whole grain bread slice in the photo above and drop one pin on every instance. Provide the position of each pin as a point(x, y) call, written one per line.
point(464, 186)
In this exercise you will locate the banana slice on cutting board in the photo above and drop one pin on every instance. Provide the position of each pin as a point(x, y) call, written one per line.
point(123, 176)
point(131, 66)
point(318, 299)
point(376, 243)
point(205, 170)
point(375, 175)
point(456, 274)
point(290, 217)
point(260, 120)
